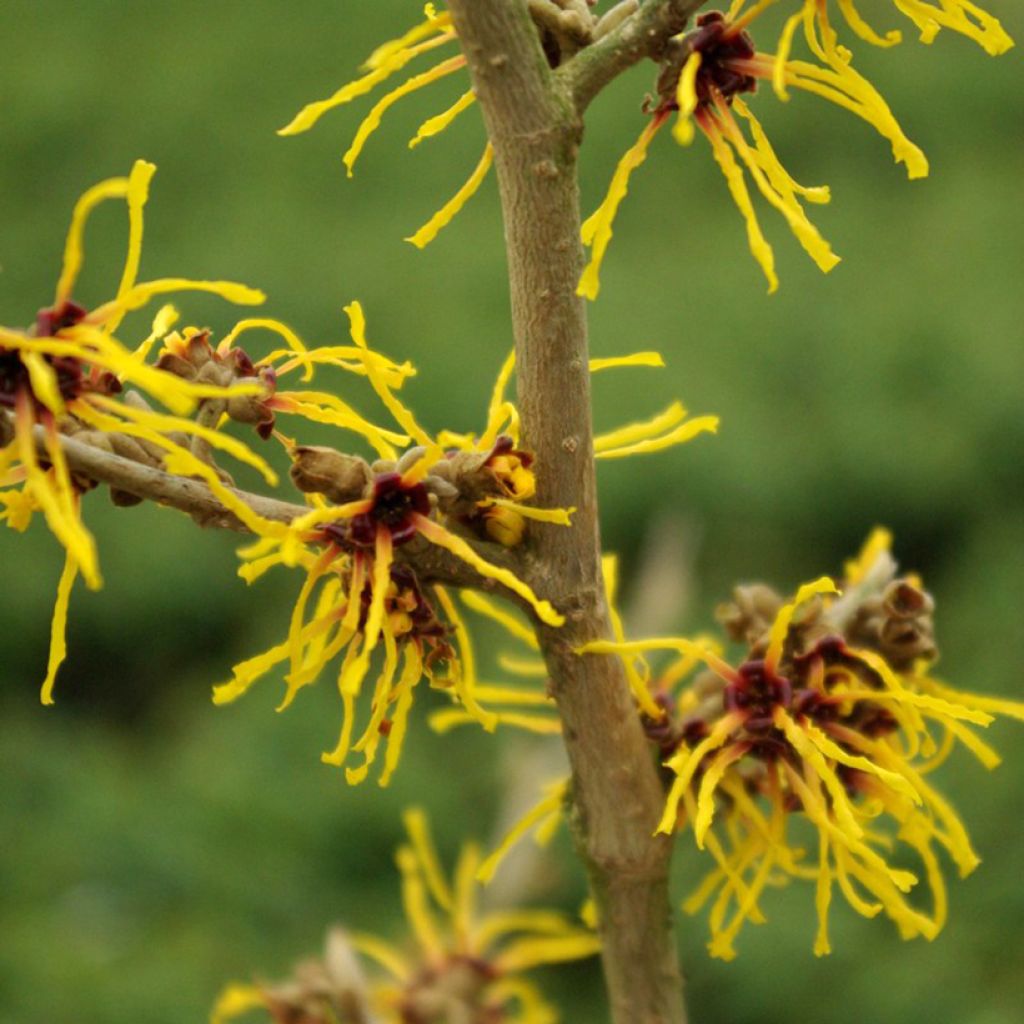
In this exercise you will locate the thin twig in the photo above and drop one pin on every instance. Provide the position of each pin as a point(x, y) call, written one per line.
point(432, 564)
point(643, 35)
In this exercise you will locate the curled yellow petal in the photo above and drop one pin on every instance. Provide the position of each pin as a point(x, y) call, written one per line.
point(138, 192)
point(759, 247)
point(680, 435)
point(138, 295)
point(763, 166)
point(112, 188)
point(403, 417)
point(549, 807)
point(434, 24)
point(780, 627)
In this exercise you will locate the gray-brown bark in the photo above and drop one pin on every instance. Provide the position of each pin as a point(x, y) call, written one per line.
point(617, 797)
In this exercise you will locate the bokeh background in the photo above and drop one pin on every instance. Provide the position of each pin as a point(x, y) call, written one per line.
point(153, 846)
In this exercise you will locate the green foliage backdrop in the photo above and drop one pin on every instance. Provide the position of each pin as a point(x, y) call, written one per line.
point(154, 846)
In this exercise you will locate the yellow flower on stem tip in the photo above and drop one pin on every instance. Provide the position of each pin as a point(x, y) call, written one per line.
point(61, 376)
point(459, 963)
point(831, 722)
point(703, 80)
point(434, 32)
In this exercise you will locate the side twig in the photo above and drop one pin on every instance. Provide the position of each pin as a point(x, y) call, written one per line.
point(643, 35)
point(432, 564)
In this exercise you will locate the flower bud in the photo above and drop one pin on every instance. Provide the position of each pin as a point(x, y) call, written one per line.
point(320, 470)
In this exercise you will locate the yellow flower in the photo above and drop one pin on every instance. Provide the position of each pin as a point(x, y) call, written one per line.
point(831, 718)
point(460, 964)
point(704, 79)
point(62, 376)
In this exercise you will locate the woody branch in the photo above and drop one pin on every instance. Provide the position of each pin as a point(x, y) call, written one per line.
point(149, 483)
point(533, 122)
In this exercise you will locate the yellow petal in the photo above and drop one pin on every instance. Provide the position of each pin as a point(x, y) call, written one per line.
point(759, 248)
point(426, 234)
point(634, 359)
point(138, 192)
point(597, 228)
point(864, 30)
point(112, 188)
point(394, 61)
point(879, 543)
point(780, 627)
point(549, 807)
point(686, 98)
point(236, 1000)
point(372, 120)
point(58, 627)
point(138, 295)
point(166, 317)
point(437, 124)
point(438, 535)
point(43, 380)
point(291, 339)
point(403, 417)
point(485, 606)
point(434, 24)
point(683, 433)
point(162, 424)
point(775, 187)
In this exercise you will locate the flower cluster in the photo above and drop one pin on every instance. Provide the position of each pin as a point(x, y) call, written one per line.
point(452, 496)
point(461, 965)
point(64, 382)
point(831, 720)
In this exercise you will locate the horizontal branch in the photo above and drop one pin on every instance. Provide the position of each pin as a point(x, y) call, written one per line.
point(432, 564)
point(642, 35)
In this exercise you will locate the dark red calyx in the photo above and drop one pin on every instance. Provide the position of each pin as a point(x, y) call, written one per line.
point(52, 319)
point(718, 43)
point(394, 505)
point(757, 692)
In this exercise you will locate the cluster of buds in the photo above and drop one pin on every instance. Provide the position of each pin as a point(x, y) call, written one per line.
point(190, 356)
point(463, 486)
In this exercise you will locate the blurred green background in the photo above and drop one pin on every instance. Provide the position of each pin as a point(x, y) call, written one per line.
point(153, 846)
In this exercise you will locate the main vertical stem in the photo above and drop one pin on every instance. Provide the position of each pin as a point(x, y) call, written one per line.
point(617, 796)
